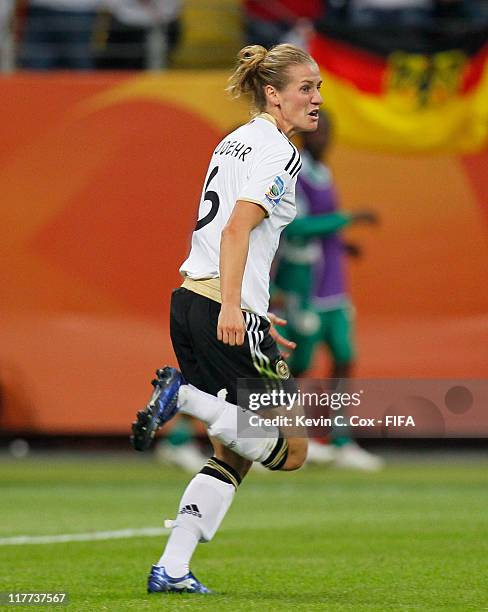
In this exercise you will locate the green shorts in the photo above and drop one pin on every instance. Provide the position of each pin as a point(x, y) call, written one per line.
point(332, 328)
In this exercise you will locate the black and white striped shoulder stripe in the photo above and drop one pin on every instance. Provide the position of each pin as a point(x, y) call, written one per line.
point(294, 163)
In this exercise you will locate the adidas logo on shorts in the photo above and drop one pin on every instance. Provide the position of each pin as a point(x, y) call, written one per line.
point(191, 509)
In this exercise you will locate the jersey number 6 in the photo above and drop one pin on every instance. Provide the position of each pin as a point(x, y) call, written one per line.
point(213, 197)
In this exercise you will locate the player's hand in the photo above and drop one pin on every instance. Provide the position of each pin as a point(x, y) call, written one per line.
point(231, 328)
point(366, 216)
point(277, 337)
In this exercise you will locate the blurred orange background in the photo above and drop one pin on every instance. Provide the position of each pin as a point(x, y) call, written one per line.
point(100, 177)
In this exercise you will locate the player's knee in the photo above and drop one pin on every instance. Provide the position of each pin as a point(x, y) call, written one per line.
point(292, 464)
point(240, 464)
point(297, 454)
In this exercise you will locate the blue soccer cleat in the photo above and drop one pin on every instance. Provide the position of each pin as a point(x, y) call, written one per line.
point(158, 581)
point(161, 407)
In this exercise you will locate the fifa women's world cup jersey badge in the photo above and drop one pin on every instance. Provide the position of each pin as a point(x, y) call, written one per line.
point(276, 191)
point(282, 369)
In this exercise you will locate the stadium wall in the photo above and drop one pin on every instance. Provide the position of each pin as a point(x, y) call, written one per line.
point(100, 176)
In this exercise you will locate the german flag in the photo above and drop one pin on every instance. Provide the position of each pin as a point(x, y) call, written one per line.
point(402, 90)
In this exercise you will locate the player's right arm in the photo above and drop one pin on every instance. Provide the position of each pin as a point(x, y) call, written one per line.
point(234, 247)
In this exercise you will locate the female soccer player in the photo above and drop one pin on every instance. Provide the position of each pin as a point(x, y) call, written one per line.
point(220, 327)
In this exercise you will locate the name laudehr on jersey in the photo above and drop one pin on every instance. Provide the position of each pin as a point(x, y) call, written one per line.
point(234, 148)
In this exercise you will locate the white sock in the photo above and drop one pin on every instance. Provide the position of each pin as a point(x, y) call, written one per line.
point(199, 404)
point(179, 549)
point(202, 508)
point(224, 429)
point(221, 419)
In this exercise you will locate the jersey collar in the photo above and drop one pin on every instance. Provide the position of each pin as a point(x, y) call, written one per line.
point(268, 117)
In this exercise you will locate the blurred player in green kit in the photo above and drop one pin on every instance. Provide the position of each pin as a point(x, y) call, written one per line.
point(310, 284)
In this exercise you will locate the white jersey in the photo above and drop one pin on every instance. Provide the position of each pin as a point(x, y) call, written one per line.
point(256, 163)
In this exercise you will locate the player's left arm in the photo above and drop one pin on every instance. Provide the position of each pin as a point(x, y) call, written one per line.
point(234, 248)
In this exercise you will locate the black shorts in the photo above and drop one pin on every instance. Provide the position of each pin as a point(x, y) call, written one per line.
point(211, 365)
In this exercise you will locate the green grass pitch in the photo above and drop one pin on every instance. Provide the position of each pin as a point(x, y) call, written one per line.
point(413, 537)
